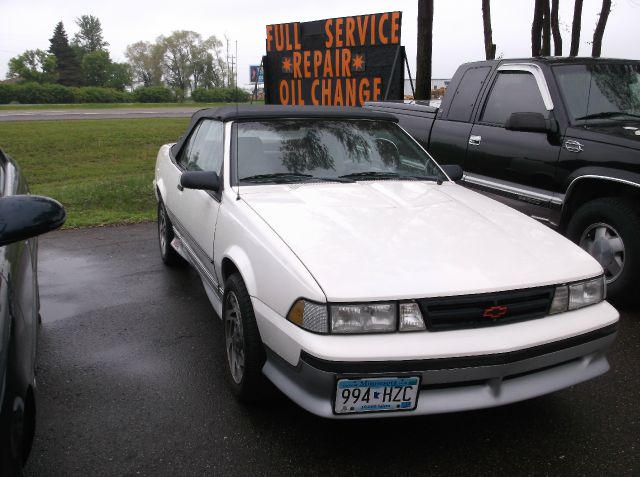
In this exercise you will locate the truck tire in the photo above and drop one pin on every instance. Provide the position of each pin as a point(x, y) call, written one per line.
point(609, 229)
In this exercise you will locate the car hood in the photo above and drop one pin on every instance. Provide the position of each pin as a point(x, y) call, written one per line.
point(411, 239)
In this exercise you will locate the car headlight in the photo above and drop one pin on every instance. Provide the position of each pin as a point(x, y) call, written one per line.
point(578, 295)
point(347, 318)
point(365, 318)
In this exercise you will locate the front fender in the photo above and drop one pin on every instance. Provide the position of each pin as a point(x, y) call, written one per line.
point(242, 262)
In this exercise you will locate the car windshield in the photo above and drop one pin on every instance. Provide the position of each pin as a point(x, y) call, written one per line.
point(601, 92)
point(309, 150)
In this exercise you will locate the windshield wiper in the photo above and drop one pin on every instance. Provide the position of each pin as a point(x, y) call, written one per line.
point(284, 176)
point(389, 175)
point(292, 177)
point(608, 114)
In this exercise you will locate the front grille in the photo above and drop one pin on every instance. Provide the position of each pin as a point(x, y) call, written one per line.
point(488, 309)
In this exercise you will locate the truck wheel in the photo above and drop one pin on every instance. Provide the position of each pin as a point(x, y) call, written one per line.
point(609, 229)
point(165, 235)
point(243, 345)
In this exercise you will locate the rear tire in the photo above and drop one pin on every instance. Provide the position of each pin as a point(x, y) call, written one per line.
point(168, 254)
point(609, 229)
point(244, 350)
point(17, 420)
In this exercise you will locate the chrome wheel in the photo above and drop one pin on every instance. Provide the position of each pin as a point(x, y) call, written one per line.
point(604, 244)
point(162, 229)
point(234, 338)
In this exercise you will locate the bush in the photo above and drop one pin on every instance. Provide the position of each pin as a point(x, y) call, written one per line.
point(7, 93)
point(154, 94)
point(220, 95)
point(35, 93)
point(94, 94)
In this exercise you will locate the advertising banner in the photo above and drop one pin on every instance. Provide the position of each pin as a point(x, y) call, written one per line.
point(335, 62)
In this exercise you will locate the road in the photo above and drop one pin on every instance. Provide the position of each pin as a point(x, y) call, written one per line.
point(116, 113)
point(131, 383)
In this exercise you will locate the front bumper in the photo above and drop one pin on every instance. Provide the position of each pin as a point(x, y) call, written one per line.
point(452, 384)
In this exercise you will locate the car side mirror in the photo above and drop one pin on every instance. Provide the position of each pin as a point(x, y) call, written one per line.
point(454, 171)
point(200, 180)
point(531, 122)
point(25, 216)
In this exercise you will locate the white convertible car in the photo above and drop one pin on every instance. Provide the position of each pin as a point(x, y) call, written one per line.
point(352, 272)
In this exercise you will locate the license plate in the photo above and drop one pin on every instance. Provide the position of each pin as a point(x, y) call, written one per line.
point(376, 394)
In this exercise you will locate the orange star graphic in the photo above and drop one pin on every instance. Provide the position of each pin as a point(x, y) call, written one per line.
point(286, 65)
point(358, 63)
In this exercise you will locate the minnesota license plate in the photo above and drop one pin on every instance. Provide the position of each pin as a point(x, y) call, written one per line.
point(376, 394)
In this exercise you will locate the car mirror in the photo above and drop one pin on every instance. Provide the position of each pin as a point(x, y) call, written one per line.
point(25, 216)
point(530, 122)
point(200, 180)
point(454, 171)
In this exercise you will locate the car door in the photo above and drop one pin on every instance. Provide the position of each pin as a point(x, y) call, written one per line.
point(516, 164)
point(194, 212)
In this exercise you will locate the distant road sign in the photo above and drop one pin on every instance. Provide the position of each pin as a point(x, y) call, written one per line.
point(256, 73)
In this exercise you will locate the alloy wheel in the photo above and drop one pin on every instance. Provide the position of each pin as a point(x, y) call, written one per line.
point(605, 244)
point(234, 338)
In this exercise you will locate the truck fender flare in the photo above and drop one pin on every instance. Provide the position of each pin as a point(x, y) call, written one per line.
point(601, 173)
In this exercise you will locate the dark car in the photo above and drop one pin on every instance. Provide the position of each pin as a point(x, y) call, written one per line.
point(22, 217)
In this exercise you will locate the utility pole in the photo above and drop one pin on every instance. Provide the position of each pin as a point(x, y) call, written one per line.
point(231, 65)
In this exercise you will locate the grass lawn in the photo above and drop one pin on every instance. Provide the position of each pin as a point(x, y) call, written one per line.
point(100, 170)
point(186, 104)
point(22, 107)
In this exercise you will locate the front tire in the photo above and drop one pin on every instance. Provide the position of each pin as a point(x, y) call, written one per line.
point(168, 254)
point(244, 351)
point(609, 229)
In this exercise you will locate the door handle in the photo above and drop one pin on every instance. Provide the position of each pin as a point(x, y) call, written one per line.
point(180, 188)
point(475, 140)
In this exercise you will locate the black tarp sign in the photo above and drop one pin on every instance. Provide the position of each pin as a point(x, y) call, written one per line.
point(335, 62)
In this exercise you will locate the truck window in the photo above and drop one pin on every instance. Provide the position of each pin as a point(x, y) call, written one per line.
point(465, 96)
point(600, 89)
point(513, 92)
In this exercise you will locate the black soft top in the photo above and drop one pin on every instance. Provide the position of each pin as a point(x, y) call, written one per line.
point(240, 112)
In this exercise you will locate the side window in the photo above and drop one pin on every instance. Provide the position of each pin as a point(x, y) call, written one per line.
point(204, 151)
point(467, 93)
point(183, 158)
point(513, 92)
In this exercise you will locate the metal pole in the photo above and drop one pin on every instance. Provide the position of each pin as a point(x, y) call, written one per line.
point(413, 91)
point(393, 70)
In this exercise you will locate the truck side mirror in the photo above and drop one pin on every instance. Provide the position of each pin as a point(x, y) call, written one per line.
point(531, 122)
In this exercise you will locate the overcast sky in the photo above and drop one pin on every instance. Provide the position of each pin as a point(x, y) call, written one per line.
point(457, 25)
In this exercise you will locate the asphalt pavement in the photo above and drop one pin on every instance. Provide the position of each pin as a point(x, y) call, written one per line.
point(131, 382)
point(116, 113)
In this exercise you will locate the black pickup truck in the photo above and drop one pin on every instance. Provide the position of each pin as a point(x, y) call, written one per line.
point(557, 138)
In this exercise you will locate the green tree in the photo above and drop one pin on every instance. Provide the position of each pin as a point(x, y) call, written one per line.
point(96, 67)
point(89, 38)
point(120, 76)
point(33, 65)
point(208, 69)
point(177, 55)
point(145, 61)
point(67, 66)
